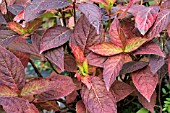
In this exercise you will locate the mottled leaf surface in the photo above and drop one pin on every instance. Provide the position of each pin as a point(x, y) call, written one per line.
point(150, 48)
point(145, 18)
point(7, 92)
point(54, 37)
point(71, 97)
point(17, 105)
point(106, 49)
point(145, 82)
point(120, 90)
point(92, 13)
point(155, 63)
point(112, 67)
point(56, 56)
point(69, 63)
point(80, 107)
point(37, 7)
point(98, 99)
point(50, 105)
point(11, 70)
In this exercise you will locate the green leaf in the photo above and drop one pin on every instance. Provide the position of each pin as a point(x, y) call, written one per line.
point(143, 110)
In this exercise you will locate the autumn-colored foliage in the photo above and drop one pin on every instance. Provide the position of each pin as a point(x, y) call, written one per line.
point(110, 50)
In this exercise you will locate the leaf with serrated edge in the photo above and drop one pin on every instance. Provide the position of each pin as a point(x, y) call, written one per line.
point(11, 70)
point(106, 49)
point(150, 48)
point(7, 92)
point(145, 18)
point(160, 24)
point(155, 63)
point(63, 87)
point(17, 105)
point(134, 43)
point(120, 90)
point(54, 37)
point(98, 99)
point(36, 86)
point(148, 105)
point(145, 82)
point(92, 13)
point(56, 56)
point(37, 7)
point(112, 67)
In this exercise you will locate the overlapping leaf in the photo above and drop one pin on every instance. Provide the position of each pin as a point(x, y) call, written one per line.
point(80, 107)
point(160, 24)
point(150, 48)
point(69, 63)
point(50, 105)
point(120, 90)
point(71, 97)
point(98, 99)
point(11, 70)
point(106, 49)
point(17, 105)
point(112, 67)
point(56, 56)
point(145, 18)
point(92, 13)
point(7, 92)
point(63, 86)
point(54, 37)
point(155, 63)
point(145, 82)
point(37, 7)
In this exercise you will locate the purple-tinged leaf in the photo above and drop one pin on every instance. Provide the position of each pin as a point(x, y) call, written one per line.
point(11, 70)
point(132, 66)
point(145, 82)
point(15, 9)
point(71, 97)
point(2, 19)
point(155, 63)
point(148, 105)
point(17, 105)
point(54, 37)
point(160, 24)
point(112, 67)
point(50, 105)
point(7, 92)
point(85, 35)
point(37, 7)
point(69, 63)
point(63, 87)
point(134, 9)
point(80, 107)
point(150, 48)
point(106, 49)
point(98, 99)
point(145, 18)
point(56, 56)
point(92, 13)
point(96, 60)
point(165, 4)
point(120, 90)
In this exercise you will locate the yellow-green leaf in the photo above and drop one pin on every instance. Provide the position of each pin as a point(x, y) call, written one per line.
point(7, 92)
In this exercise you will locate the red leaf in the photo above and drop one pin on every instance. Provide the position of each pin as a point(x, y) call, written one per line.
point(106, 49)
point(85, 35)
point(80, 107)
point(98, 99)
point(112, 67)
point(115, 36)
point(7, 92)
point(132, 66)
point(37, 7)
point(19, 16)
point(150, 48)
point(17, 105)
point(160, 24)
point(120, 90)
point(145, 18)
point(54, 37)
point(148, 105)
point(63, 87)
point(16, 27)
point(169, 65)
point(50, 105)
point(93, 14)
point(96, 60)
point(56, 56)
point(145, 82)
point(23, 57)
point(69, 63)
point(155, 63)
point(71, 97)
point(11, 70)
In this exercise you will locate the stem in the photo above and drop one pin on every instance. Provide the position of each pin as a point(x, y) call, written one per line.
point(51, 65)
point(74, 10)
point(159, 94)
point(35, 68)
